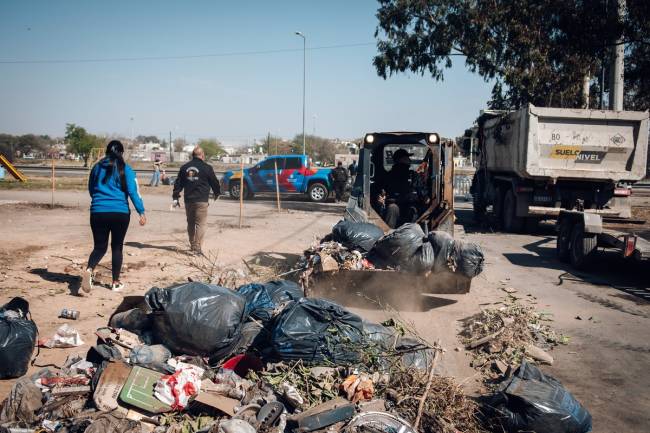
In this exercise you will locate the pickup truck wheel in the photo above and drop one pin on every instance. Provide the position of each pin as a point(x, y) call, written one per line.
point(582, 246)
point(234, 191)
point(317, 192)
point(511, 222)
point(563, 242)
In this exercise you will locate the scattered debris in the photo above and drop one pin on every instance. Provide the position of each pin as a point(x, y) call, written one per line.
point(508, 335)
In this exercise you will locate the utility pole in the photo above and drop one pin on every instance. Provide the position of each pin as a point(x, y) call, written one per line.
point(617, 66)
point(268, 142)
point(171, 148)
point(304, 74)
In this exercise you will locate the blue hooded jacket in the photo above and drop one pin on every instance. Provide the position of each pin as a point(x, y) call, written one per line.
point(109, 197)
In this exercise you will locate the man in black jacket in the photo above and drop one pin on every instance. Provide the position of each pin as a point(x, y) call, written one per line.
point(196, 178)
point(339, 178)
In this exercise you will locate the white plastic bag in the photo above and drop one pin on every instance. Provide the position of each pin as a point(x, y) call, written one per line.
point(176, 389)
point(65, 336)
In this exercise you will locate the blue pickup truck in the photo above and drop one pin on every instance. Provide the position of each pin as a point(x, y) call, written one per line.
point(295, 176)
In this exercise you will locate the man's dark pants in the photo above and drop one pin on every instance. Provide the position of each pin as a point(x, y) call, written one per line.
point(339, 189)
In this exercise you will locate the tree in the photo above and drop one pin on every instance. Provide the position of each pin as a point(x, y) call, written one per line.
point(179, 144)
point(8, 145)
point(319, 148)
point(211, 147)
point(30, 143)
point(80, 141)
point(147, 139)
point(536, 51)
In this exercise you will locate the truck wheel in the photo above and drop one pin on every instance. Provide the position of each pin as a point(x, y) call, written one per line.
point(531, 224)
point(477, 199)
point(234, 191)
point(317, 192)
point(511, 222)
point(497, 206)
point(563, 242)
point(582, 246)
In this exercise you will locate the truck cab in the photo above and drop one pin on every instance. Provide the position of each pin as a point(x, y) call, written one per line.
point(430, 201)
point(294, 173)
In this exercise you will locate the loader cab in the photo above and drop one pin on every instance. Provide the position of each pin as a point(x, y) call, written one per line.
point(429, 185)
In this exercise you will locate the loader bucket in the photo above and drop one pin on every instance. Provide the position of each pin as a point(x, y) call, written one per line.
point(387, 286)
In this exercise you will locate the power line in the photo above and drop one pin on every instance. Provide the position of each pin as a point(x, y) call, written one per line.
point(184, 57)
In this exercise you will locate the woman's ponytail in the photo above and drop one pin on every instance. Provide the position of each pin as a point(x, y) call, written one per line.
point(115, 153)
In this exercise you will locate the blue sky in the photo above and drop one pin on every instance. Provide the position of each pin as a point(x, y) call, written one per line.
point(233, 98)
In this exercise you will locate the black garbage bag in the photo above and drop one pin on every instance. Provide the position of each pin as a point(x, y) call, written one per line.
point(380, 335)
point(263, 299)
point(356, 236)
point(17, 338)
point(317, 331)
point(533, 401)
point(451, 255)
point(415, 354)
point(197, 318)
point(470, 259)
point(254, 337)
point(405, 247)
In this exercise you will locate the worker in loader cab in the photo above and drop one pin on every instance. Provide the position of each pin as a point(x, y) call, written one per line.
point(396, 198)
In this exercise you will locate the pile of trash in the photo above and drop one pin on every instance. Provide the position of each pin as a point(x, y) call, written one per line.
point(196, 357)
point(502, 338)
point(358, 246)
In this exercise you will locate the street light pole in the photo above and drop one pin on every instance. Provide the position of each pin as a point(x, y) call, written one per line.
point(304, 68)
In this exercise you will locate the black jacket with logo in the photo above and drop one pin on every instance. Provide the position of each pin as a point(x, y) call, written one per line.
point(196, 178)
point(339, 174)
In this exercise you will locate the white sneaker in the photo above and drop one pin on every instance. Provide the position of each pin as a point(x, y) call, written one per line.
point(87, 280)
point(117, 287)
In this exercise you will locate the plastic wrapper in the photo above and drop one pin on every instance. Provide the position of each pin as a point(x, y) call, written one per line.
point(533, 401)
point(66, 336)
point(17, 338)
point(317, 331)
point(175, 390)
point(356, 236)
point(262, 300)
point(196, 318)
point(415, 355)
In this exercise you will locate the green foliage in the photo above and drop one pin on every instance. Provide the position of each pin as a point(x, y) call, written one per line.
point(24, 144)
point(80, 141)
point(536, 51)
point(211, 147)
point(320, 149)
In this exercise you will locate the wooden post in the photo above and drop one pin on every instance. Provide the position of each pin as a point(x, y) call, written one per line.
point(241, 193)
point(277, 185)
point(53, 183)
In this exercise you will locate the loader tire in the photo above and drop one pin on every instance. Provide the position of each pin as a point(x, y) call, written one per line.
point(511, 222)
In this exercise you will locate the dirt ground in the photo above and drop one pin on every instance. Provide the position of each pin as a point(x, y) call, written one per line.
point(604, 364)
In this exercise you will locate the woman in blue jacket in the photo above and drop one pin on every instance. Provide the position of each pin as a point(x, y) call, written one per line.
point(110, 185)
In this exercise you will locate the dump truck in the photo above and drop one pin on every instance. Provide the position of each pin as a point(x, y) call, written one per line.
point(432, 200)
point(535, 162)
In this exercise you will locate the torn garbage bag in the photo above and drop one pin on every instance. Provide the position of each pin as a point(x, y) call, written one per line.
point(356, 236)
point(452, 255)
point(533, 401)
point(406, 247)
point(316, 331)
point(17, 338)
point(196, 318)
point(263, 299)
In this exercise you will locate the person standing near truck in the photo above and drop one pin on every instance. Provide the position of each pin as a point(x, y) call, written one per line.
point(111, 183)
point(339, 180)
point(196, 177)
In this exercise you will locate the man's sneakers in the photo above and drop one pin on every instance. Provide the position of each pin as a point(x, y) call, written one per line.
point(87, 280)
point(117, 286)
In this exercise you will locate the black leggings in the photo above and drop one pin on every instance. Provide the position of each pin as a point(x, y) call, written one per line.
point(102, 224)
